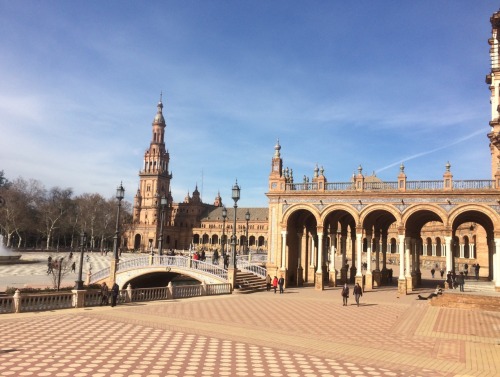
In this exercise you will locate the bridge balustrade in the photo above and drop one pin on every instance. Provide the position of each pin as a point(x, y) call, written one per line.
point(149, 294)
point(253, 268)
point(186, 291)
point(101, 274)
point(132, 263)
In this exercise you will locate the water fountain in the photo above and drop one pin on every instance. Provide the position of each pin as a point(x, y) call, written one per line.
point(7, 256)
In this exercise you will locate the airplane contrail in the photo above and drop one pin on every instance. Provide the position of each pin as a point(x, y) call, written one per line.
point(412, 157)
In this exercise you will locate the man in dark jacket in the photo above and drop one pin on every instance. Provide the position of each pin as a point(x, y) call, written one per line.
point(115, 291)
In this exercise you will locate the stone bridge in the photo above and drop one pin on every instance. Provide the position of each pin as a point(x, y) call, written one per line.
point(205, 272)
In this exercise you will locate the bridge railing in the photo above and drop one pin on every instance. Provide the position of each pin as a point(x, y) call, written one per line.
point(162, 260)
point(209, 268)
point(149, 294)
point(132, 263)
point(250, 267)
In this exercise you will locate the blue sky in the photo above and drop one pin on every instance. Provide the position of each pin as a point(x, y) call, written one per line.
point(339, 83)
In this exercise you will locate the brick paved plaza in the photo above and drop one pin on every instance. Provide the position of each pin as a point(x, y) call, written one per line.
point(300, 333)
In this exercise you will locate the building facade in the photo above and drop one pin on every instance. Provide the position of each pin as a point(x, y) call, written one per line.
point(190, 224)
point(378, 228)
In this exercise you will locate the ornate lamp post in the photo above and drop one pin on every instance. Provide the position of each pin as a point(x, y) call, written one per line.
point(247, 218)
point(120, 194)
point(79, 282)
point(224, 215)
point(236, 196)
point(163, 204)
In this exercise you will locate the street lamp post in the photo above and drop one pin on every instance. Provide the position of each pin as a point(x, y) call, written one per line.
point(120, 194)
point(247, 243)
point(224, 215)
point(163, 204)
point(235, 196)
point(79, 282)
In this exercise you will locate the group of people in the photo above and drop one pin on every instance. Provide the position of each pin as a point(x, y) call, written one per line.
point(55, 264)
point(115, 291)
point(455, 280)
point(275, 283)
point(357, 292)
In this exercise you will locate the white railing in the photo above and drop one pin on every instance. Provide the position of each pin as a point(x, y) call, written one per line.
point(218, 289)
point(50, 301)
point(101, 274)
point(6, 304)
point(132, 263)
point(164, 261)
point(149, 294)
point(186, 291)
point(253, 268)
point(38, 302)
point(171, 261)
point(209, 268)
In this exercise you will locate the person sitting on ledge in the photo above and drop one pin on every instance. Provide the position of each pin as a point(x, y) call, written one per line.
point(437, 292)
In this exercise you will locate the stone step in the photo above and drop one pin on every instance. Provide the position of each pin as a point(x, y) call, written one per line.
point(249, 283)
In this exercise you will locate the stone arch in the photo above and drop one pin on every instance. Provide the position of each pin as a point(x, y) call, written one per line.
point(301, 245)
point(370, 209)
point(483, 235)
point(339, 207)
point(438, 212)
point(289, 211)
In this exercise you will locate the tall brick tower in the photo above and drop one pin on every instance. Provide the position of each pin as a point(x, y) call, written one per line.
point(154, 183)
point(493, 80)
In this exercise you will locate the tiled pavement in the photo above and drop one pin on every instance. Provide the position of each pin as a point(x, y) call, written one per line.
point(33, 272)
point(300, 333)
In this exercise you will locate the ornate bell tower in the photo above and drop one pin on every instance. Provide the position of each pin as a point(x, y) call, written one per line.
point(493, 79)
point(154, 183)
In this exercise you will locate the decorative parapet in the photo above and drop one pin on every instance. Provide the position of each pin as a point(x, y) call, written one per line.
point(477, 184)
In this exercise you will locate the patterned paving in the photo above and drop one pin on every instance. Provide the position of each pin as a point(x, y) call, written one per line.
point(300, 333)
point(34, 273)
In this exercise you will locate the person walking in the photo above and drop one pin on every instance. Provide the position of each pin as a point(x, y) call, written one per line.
point(49, 265)
point(73, 267)
point(104, 294)
point(281, 283)
point(476, 270)
point(358, 292)
point(345, 294)
point(215, 257)
point(115, 291)
point(275, 283)
point(461, 281)
point(433, 271)
point(268, 282)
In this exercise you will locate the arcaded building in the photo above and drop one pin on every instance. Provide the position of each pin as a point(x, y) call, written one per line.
point(377, 228)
